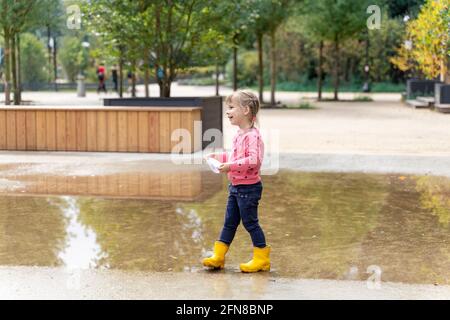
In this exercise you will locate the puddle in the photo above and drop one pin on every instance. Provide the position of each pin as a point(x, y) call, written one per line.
point(320, 225)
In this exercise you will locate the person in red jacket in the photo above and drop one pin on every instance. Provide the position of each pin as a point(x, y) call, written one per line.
point(101, 72)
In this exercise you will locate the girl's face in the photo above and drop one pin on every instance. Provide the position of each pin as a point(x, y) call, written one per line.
point(238, 116)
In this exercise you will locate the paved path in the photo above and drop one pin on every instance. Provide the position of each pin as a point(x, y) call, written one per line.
point(59, 283)
point(92, 98)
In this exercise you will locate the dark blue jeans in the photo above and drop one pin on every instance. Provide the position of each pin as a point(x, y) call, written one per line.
point(243, 204)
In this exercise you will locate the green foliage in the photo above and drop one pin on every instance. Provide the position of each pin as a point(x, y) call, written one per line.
point(382, 47)
point(362, 99)
point(32, 55)
point(247, 66)
point(303, 106)
point(428, 40)
point(73, 57)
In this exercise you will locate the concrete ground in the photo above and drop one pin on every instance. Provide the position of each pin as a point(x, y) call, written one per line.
point(58, 283)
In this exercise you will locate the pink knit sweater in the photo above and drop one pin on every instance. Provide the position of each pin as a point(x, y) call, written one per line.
point(246, 157)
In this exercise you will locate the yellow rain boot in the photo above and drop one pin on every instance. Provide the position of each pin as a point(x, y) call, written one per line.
point(260, 261)
point(217, 261)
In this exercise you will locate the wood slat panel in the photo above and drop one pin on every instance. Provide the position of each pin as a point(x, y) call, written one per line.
point(133, 132)
point(144, 184)
point(175, 184)
point(71, 131)
point(94, 130)
point(155, 185)
point(41, 130)
point(50, 122)
point(92, 185)
point(112, 131)
point(11, 140)
point(21, 130)
point(61, 130)
point(113, 185)
point(122, 124)
point(91, 130)
point(175, 123)
point(102, 140)
point(122, 184)
point(164, 132)
point(3, 144)
point(153, 132)
point(81, 131)
point(188, 138)
point(102, 185)
point(31, 130)
point(143, 137)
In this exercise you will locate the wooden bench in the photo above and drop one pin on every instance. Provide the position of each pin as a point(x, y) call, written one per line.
point(417, 104)
point(97, 129)
point(443, 108)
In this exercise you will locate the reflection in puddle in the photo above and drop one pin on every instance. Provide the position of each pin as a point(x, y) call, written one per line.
point(82, 250)
point(320, 225)
point(156, 182)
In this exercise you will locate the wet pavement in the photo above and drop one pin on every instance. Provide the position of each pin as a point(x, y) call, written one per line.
point(154, 217)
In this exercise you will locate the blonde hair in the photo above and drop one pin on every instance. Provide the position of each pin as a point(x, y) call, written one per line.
point(245, 98)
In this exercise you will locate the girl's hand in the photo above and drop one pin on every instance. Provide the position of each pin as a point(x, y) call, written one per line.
point(224, 168)
point(209, 155)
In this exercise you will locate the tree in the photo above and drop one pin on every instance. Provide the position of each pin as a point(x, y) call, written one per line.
point(430, 39)
point(72, 57)
point(279, 12)
point(235, 19)
point(118, 26)
point(269, 15)
point(33, 54)
point(334, 21)
point(215, 49)
point(16, 16)
point(166, 33)
point(178, 27)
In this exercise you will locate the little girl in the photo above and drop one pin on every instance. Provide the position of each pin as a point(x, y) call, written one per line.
point(245, 188)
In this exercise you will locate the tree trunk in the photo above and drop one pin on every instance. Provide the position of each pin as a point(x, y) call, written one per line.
point(217, 79)
point(273, 68)
point(445, 70)
point(320, 72)
point(259, 43)
point(19, 69)
point(133, 79)
point(346, 70)
point(147, 81)
point(336, 68)
point(121, 74)
point(235, 62)
point(164, 88)
point(447, 78)
point(14, 70)
point(55, 64)
point(146, 72)
point(49, 48)
point(7, 40)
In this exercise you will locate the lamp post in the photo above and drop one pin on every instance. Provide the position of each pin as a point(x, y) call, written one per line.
point(366, 86)
point(81, 86)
